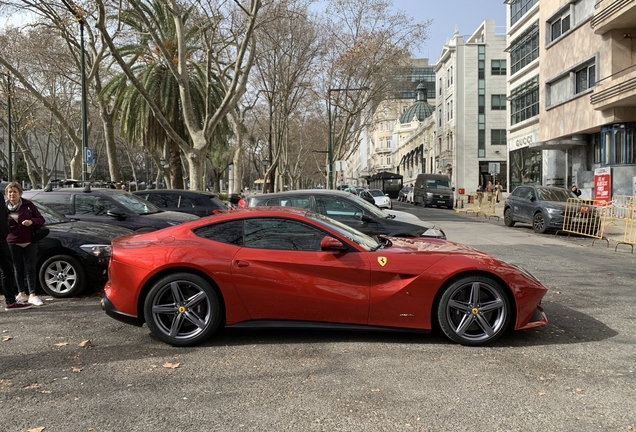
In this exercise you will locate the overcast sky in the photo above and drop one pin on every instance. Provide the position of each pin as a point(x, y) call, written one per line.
point(445, 14)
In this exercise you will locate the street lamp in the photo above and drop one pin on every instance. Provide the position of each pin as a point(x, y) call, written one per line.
point(77, 13)
point(330, 148)
point(10, 149)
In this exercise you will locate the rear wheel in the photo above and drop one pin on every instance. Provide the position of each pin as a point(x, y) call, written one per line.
point(62, 276)
point(538, 223)
point(182, 309)
point(508, 221)
point(474, 311)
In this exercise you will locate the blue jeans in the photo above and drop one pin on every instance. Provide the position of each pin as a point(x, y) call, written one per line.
point(24, 259)
point(7, 274)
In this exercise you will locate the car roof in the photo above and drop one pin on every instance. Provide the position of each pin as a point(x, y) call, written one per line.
point(100, 191)
point(307, 192)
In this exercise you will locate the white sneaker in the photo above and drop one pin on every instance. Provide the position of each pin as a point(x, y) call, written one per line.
point(35, 301)
point(21, 298)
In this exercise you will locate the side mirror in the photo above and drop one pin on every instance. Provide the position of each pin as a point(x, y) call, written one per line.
point(331, 244)
point(365, 218)
point(453, 189)
point(116, 214)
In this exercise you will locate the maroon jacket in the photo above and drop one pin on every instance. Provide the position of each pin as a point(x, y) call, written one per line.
point(19, 233)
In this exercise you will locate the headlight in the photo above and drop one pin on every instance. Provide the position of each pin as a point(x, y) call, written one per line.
point(555, 211)
point(98, 250)
point(429, 194)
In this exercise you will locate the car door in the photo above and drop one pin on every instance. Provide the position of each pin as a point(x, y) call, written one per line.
point(282, 274)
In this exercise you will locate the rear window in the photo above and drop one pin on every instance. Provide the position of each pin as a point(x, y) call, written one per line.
point(61, 203)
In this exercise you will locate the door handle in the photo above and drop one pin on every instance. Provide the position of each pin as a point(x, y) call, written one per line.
point(240, 263)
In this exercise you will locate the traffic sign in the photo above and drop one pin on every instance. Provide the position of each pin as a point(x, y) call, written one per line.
point(89, 155)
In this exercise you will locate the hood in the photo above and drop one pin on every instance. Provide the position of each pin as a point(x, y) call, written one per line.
point(172, 216)
point(406, 245)
point(96, 230)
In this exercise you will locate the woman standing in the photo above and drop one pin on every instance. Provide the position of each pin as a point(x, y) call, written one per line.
point(23, 214)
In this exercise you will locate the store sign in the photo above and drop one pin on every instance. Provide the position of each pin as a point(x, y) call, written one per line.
point(603, 185)
point(523, 140)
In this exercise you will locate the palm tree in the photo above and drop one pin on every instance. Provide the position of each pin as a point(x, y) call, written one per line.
point(137, 122)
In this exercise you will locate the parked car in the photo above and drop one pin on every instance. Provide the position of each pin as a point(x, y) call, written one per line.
point(382, 200)
point(73, 254)
point(287, 266)
point(543, 207)
point(111, 206)
point(403, 193)
point(350, 210)
point(198, 203)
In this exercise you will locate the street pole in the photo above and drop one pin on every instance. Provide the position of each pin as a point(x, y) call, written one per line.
point(80, 19)
point(330, 145)
point(9, 143)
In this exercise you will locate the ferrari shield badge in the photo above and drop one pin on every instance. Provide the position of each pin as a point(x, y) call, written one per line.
point(382, 261)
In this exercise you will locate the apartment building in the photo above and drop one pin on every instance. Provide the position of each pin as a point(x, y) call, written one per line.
point(572, 92)
point(471, 107)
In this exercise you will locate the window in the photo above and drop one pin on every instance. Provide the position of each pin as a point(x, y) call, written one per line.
point(92, 205)
point(524, 49)
point(498, 102)
point(585, 78)
point(498, 137)
point(388, 142)
point(225, 232)
point(498, 67)
point(61, 203)
point(281, 234)
point(524, 101)
point(617, 144)
point(519, 8)
point(559, 26)
point(388, 160)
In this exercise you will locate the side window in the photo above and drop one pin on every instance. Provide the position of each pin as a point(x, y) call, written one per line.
point(518, 192)
point(185, 203)
point(298, 202)
point(337, 208)
point(528, 194)
point(61, 203)
point(272, 202)
point(281, 234)
point(92, 205)
point(164, 200)
point(224, 232)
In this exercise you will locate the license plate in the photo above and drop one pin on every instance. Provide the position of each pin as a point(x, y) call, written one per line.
point(440, 202)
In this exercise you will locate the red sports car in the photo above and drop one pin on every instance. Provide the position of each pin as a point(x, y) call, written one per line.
point(282, 265)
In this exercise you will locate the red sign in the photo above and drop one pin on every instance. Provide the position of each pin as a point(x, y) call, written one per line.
point(603, 185)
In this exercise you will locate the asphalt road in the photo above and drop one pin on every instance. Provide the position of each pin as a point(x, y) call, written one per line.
point(576, 373)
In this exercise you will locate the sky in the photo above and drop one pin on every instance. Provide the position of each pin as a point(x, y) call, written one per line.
point(445, 14)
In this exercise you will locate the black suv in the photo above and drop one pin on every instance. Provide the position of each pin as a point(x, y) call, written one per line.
point(198, 203)
point(111, 206)
point(348, 209)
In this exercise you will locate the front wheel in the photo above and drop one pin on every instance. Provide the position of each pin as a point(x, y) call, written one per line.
point(62, 276)
point(538, 223)
point(182, 309)
point(508, 221)
point(474, 311)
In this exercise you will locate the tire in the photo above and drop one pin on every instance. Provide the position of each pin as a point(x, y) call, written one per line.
point(390, 205)
point(538, 223)
point(62, 276)
point(508, 218)
point(182, 309)
point(474, 311)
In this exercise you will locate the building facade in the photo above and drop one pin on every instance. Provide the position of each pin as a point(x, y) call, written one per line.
point(471, 107)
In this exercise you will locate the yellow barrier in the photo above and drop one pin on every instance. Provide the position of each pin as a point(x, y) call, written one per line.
point(630, 226)
point(584, 217)
point(488, 205)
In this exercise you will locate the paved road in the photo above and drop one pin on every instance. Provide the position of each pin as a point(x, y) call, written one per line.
point(576, 373)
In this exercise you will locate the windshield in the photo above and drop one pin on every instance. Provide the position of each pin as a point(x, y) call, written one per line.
point(51, 217)
point(438, 184)
point(559, 195)
point(376, 192)
point(135, 203)
point(363, 240)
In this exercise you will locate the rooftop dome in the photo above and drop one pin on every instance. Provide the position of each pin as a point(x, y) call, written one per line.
point(420, 109)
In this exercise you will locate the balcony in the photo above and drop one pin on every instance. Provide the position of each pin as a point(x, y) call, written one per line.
point(616, 90)
point(613, 14)
point(382, 150)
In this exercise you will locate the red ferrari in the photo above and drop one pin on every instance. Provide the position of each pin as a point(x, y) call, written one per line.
point(281, 265)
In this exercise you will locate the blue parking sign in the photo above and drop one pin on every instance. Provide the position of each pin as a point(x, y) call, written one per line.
point(89, 155)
